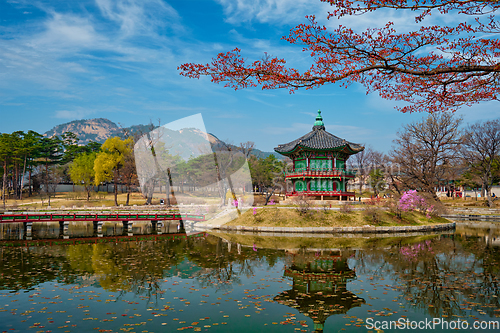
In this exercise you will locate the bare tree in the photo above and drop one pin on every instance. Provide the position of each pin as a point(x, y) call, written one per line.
point(146, 156)
point(481, 151)
point(360, 162)
point(128, 176)
point(53, 176)
point(425, 149)
point(246, 148)
point(224, 158)
point(377, 170)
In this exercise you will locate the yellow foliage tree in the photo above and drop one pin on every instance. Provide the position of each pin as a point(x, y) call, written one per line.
point(111, 159)
point(82, 172)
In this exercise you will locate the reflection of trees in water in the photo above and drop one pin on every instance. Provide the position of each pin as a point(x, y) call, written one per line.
point(441, 276)
point(126, 266)
point(224, 263)
point(456, 275)
point(487, 290)
point(132, 266)
point(23, 268)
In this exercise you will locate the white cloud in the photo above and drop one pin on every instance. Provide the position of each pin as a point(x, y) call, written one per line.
point(139, 17)
point(72, 114)
point(270, 11)
point(63, 48)
point(280, 12)
point(66, 31)
point(312, 114)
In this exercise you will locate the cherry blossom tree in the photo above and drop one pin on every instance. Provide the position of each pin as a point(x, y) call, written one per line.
point(433, 68)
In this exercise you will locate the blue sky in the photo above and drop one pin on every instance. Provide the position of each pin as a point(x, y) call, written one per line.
point(67, 60)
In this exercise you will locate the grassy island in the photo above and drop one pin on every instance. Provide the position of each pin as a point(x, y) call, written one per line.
point(275, 217)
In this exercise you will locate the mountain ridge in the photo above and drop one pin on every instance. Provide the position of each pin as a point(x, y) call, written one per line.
point(100, 129)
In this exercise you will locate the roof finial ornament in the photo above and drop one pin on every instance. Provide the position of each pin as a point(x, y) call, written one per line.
point(318, 124)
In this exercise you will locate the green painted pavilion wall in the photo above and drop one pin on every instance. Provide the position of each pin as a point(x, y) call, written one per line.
point(319, 185)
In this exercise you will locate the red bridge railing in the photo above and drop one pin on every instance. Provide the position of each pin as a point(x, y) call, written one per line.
point(40, 217)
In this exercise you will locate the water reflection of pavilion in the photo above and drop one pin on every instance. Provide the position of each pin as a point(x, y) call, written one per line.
point(319, 286)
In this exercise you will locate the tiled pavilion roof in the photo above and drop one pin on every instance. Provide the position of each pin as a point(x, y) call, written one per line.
point(319, 139)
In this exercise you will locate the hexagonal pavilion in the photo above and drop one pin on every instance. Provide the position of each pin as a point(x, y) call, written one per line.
point(319, 164)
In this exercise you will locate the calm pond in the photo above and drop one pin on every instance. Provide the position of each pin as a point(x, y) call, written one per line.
point(247, 283)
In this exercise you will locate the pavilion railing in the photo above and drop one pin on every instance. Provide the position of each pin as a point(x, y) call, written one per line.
point(300, 172)
point(318, 193)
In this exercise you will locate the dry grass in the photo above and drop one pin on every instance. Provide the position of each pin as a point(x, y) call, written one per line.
point(469, 202)
point(274, 217)
point(67, 200)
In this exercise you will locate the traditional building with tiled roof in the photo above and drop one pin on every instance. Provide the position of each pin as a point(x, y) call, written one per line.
point(319, 164)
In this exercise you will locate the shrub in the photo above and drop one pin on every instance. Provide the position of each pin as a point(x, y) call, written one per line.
point(324, 206)
point(393, 206)
point(257, 217)
point(373, 202)
point(303, 204)
point(346, 208)
point(373, 214)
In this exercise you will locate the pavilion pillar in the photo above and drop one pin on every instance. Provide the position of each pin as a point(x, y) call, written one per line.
point(28, 228)
point(63, 227)
point(98, 226)
point(128, 226)
point(154, 224)
point(157, 225)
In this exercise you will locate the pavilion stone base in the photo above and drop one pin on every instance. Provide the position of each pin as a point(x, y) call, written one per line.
point(331, 198)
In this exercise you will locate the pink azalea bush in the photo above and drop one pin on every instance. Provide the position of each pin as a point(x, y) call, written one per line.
point(411, 200)
point(237, 203)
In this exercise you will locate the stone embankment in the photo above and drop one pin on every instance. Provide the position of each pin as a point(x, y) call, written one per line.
point(335, 230)
point(473, 213)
